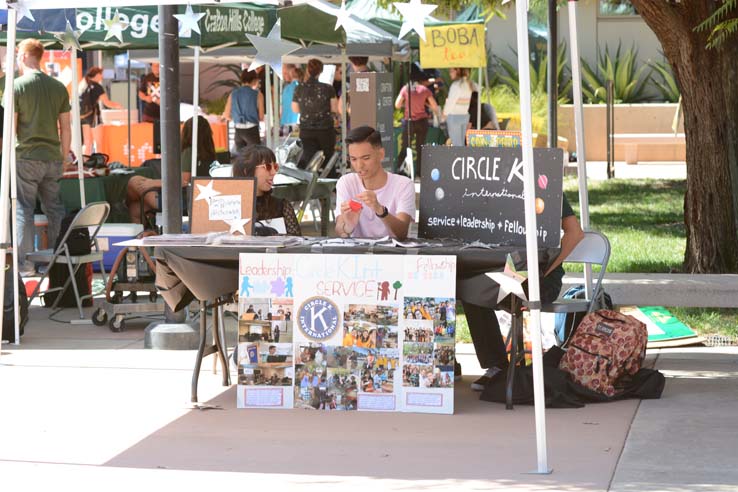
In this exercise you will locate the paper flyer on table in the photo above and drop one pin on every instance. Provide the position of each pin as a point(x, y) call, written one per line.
point(347, 332)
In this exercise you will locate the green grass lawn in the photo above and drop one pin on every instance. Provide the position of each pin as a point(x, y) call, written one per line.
point(644, 221)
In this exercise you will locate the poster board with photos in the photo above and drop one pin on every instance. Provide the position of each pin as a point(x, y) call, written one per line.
point(223, 205)
point(476, 194)
point(347, 332)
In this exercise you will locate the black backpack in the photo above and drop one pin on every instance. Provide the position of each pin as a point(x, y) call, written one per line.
point(8, 304)
point(78, 243)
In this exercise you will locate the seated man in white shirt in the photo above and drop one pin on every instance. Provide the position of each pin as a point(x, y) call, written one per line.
point(370, 202)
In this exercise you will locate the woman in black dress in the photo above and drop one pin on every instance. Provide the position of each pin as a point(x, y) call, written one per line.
point(91, 94)
point(257, 161)
point(316, 102)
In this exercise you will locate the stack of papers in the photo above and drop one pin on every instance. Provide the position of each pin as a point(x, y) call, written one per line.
point(178, 240)
point(257, 241)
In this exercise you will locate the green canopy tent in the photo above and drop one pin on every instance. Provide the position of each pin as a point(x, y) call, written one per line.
point(222, 25)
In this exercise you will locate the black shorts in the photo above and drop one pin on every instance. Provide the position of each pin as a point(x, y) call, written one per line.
point(91, 120)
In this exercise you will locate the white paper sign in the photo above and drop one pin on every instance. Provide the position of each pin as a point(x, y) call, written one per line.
point(225, 207)
point(276, 224)
point(263, 397)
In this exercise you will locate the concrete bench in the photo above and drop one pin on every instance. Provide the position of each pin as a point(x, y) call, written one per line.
point(633, 140)
point(667, 289)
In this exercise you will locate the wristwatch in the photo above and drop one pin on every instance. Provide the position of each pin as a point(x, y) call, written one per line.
point(384, 214)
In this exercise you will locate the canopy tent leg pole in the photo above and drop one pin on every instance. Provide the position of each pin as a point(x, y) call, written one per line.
point(77, 131)
point(14, 221)
point(195, 109)
point(344, 119)
point(128, 57)
point(531, 239)
point(7, 160)
point(576, 77)
point(268, 116)
point(553, 88)
point(277, 104)
point(479, 98)
point(171, 168)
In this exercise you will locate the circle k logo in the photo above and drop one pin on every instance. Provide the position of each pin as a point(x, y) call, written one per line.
point(318, 317)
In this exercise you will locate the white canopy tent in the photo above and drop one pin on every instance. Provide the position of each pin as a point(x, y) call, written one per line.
point(8, 169)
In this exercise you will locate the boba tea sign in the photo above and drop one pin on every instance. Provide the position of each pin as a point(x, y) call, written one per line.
point(476, 194)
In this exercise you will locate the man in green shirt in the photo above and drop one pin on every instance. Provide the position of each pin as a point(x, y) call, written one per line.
point(44, 137)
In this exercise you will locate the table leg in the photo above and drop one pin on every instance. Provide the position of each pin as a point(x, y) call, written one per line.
point(218, 329)
point(200, 350)
point(325, 215)
point(516, 333)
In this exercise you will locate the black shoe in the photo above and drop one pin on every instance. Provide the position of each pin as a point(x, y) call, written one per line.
point(482, 382)
point(457, 371)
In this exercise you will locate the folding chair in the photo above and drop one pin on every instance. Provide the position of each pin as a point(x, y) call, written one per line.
point(91, 217)
point(315, 162)
point(593, 249)
point(314, 203)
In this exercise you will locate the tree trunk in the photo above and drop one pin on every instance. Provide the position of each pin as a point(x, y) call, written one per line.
point(708, 80)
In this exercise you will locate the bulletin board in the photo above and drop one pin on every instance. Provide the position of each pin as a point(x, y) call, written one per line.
point(223, 205)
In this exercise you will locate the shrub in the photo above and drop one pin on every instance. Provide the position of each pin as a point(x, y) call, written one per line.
point(666, 83)
point(629, 82)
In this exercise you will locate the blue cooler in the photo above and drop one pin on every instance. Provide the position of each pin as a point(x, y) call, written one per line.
point(109, 235)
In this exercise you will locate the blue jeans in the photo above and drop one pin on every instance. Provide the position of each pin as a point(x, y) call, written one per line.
point(456, 127)
point(38, 179)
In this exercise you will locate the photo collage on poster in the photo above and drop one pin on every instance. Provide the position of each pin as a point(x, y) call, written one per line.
point(265, 350)
point(428, 343)
point(376, 349)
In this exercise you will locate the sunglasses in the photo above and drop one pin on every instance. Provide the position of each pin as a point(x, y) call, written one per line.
point(269, 166)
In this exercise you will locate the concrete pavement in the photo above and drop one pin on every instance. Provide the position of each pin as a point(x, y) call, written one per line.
point(88, 408)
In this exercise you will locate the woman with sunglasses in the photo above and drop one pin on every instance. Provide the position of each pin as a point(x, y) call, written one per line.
point(257, 161)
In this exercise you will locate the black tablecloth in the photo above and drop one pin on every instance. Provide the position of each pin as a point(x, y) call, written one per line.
point(186, 273)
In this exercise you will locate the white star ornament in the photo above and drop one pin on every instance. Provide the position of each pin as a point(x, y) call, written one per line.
point(509, 280)
point(206, 192)
point(413, 16)
point(69, 38)
point(115, 27)
point(22, 11)
point(342, 16)
point(188, 22)
point(237, 225)
point(271, 49)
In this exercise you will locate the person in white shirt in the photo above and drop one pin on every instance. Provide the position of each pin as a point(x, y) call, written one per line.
point(456, 108)
point(370, 202)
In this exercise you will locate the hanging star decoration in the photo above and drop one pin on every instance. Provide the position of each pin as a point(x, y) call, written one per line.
point(69, 38)
point(115, 27)
point(22, 11)
point(206, 192)
point(509, 280)
point(413, 17)
point(342, 16)
point(237, 225)
point(271, 49)
point(188, 22)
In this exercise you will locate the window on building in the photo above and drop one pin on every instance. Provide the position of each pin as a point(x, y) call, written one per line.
point(616, 8)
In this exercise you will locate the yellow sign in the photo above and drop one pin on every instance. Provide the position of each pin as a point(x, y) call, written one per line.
point(458, 45)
